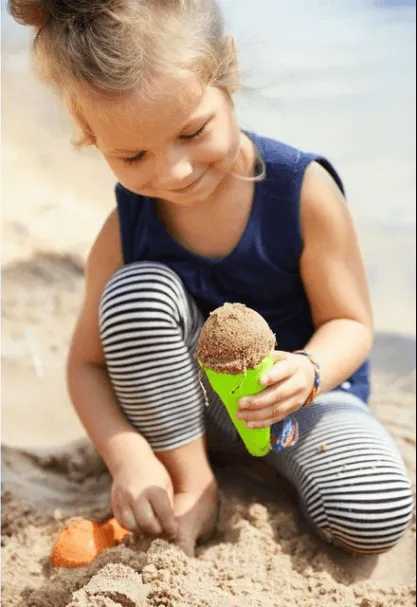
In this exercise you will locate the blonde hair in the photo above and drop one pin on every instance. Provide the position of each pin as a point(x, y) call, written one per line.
point(111, 47)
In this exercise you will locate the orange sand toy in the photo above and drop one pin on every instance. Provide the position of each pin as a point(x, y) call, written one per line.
point(82, 540)
point(113, 532)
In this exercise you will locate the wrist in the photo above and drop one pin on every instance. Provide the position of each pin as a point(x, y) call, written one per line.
point(194, 481)
point(125, 447)
point(316, 379)
point(188, 467)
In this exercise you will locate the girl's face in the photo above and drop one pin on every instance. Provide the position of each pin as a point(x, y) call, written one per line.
point(178, 150)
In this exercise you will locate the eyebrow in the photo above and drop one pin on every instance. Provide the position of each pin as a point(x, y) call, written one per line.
point(206, 119)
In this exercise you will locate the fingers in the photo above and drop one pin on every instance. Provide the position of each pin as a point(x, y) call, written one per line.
point(272, 415)
point(187, 543)
point(288, 386)
point(283, 369)
point(152, 513)
point(164, 512)
point(145, 516)
point(273, 404)
point(249, 408)
point(135, 514)
point(127, 519)
point(117, 511)
point(122, 512)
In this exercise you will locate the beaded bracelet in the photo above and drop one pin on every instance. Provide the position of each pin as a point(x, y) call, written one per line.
point(317, 376)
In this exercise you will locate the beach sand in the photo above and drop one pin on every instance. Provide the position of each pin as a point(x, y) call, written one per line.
point(262, 555)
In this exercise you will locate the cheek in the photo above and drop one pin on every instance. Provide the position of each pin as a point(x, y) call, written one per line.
point(222, 147)
point(229, 139)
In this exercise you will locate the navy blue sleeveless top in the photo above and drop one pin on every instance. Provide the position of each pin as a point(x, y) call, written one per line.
point(263, 271)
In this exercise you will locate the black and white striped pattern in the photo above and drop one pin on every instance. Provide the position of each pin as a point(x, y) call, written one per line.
point(149, 329)
point(350, 477)
point(351, 480)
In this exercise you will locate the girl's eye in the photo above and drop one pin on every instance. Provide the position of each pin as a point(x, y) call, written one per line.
point(135, 159)
point(194, 135)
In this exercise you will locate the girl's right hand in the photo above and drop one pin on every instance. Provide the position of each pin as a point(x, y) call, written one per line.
point(142, 498)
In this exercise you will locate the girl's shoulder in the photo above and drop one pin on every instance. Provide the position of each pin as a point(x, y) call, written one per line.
point(286, 165)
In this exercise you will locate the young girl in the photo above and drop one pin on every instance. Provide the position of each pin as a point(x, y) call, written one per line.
point(208, 214)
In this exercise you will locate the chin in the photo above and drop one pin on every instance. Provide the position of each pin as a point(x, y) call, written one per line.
point(192, 198)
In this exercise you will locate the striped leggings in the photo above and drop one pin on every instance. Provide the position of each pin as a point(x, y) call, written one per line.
point(355, 493)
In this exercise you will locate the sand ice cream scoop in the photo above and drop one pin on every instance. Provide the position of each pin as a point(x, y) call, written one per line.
point(235, 349)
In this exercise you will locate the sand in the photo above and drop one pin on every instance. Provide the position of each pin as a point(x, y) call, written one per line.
point(233, 339)
point(261, 555)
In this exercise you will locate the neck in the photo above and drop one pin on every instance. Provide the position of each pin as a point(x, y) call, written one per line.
point(244, 165)
point(241, 171)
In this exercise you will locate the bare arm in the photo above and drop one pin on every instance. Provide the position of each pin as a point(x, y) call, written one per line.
point(334, 278)
point(142, 494)
point(89, 386)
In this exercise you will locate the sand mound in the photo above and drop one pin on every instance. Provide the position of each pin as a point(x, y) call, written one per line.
point(234, 339)
point(113, 585)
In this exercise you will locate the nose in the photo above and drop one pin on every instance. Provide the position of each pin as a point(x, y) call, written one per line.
point(173, 168)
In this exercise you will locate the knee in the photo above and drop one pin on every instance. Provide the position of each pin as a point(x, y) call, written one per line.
point(364, 518)
point(141, 290)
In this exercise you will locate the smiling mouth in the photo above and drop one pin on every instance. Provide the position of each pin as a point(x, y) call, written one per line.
point(188, 187)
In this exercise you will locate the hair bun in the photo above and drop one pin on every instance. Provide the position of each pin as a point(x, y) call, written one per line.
point(36, 13)
point(29, 12)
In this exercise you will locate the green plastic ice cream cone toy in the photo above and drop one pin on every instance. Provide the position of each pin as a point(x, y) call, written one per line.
point(235, 350)
point(231, 388)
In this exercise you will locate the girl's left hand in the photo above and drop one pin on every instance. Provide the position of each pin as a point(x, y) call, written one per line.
point(289, 385)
